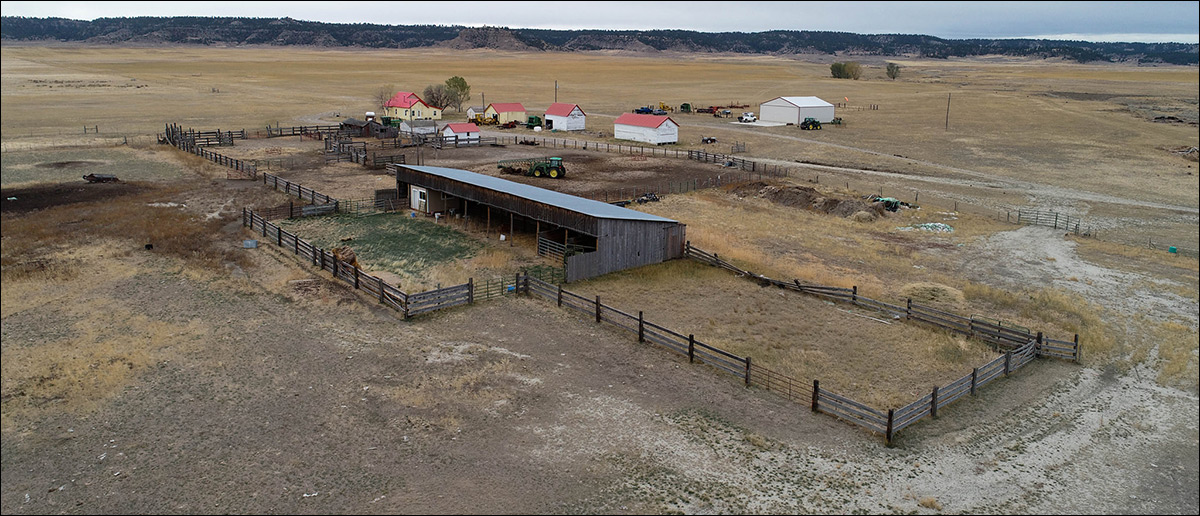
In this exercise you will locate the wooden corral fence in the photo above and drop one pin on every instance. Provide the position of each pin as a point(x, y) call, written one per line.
point(303, 130)
point(1020, 347)
point(301, 192)
point(442, 142)
point(406, 304)
point(184, 140)
point(1045, 218)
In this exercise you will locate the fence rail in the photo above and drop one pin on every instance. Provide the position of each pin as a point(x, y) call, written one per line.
point(1020, 344)
point(186, 140)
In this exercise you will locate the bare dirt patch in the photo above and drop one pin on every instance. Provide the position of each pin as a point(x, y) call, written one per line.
point(23, 200)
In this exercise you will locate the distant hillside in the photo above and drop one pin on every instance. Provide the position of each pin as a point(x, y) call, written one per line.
point(286, 31)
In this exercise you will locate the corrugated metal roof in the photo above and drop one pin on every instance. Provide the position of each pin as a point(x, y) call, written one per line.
point(804, 101)
point(589, 207)
point(404, 99)
point(463, 128)
point(651, 121)
point(560, 109)
point(508, 107)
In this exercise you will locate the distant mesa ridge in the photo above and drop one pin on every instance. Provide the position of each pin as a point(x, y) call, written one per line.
point(191, 30)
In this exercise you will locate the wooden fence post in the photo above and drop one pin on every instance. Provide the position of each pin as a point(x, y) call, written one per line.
point(1077, 353)
point(471, 291)
point(278, 236)
point(1038, 347)
point(933, 404)
point(597, 308)
point(1007, 360)
point(560, 296)
point(908, 310)
point(379, 285)
point(322, 252)
point(974, 376)
point(335, 266)
point(747, 371)
point(816, 394)
point(888, 437)
point(691, 348)
point(641, 327)
point(355, 277)
point(854, 295)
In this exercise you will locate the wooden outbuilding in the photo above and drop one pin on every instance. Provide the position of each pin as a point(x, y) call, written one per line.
point(590, 237)
point(464, 133)
point(565, 117)
point(656, 129)
point(506, 112)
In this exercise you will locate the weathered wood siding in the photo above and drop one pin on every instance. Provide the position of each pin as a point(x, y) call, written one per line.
point(624, 244)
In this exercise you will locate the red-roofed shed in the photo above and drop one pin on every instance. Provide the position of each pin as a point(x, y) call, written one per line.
point(565, 117)
point(654, 129)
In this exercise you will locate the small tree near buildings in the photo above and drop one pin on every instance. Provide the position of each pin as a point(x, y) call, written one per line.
point(893, 71)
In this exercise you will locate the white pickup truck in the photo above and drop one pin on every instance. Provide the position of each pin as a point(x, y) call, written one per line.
point(747, 117)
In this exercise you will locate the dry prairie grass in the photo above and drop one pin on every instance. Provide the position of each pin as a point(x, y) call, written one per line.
point(1012, 118)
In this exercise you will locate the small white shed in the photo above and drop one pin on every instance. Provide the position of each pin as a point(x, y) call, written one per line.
point(462, 132)
point(793, 110)
point(426, 127)
point(565, 117)
point(654, 129)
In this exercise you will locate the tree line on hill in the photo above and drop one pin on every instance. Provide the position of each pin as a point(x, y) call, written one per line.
point(286, 31)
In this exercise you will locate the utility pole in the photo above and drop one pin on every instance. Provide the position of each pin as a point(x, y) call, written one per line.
point(555, 91)
point(947, 111)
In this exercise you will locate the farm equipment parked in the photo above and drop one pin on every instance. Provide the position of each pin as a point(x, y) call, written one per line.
point(810, 123)
point(708, 139)
point(685, 108)
point(509, 124)
point(663, 106)
point(536, 167)
point(534, 121)
point(482, 120)
point(709, 109)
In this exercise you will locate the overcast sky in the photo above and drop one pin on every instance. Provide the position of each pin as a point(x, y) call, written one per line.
point(1089, 21)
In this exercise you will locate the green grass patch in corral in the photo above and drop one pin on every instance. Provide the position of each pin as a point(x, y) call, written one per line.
point(63, 165)
point(390, 242)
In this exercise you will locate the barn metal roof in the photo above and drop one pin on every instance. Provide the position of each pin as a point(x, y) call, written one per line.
point(588, 207)
point(561, 109)
point(508, 107)
point(404, 99)
point(463, 128)
point(651, 121)
point(803, 101)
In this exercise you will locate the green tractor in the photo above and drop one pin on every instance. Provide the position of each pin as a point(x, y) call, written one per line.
point(536, 167)
point(810, 123)
point(534, 121)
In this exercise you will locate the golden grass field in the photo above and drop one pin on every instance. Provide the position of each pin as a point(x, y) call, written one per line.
point(1017, 120)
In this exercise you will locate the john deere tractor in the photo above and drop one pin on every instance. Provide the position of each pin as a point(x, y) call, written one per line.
point(536, 167)
point(810, 123)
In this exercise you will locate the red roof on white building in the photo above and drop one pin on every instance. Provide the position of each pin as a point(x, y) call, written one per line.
point(508, 107)
point(404, 100)
point(560, 109)
point(652, 121)
point(463, 128)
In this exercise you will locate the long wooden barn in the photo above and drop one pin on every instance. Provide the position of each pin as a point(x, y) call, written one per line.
point(592, 237)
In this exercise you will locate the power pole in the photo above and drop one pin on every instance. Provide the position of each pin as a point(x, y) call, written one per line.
point(947, 111)
point(555, 91)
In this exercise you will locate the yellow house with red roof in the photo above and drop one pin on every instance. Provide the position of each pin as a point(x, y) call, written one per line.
point(505, 112)
point(408, 106)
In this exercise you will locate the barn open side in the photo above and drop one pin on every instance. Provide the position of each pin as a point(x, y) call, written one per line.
point(592, 237)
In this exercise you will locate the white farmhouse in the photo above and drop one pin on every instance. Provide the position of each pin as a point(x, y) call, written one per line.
point(654, 129)
point(793, 110)
point(565, 117)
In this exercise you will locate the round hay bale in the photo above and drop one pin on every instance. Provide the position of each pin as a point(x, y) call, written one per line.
point(933, 294)
point(863, 216)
